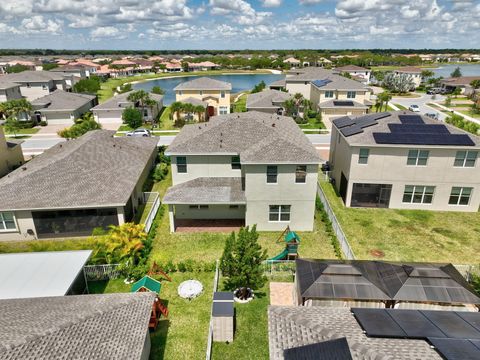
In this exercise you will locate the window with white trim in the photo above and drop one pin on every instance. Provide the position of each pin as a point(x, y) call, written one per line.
point(222, 94)
point(351, 94)
point(363, 156)
point(181, 164)
point(329, 94)
point(460, 195)
point(198, 207)
point(272, 173)
point(415, 194)
point(464, 158)
point(417, 157)
point(180, 92)
point(301, 174)
point(7, 221)
point(200, 92)
point(222, 110)
point(279, 213)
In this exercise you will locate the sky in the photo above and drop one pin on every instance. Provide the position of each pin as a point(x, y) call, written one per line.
point(239, 24)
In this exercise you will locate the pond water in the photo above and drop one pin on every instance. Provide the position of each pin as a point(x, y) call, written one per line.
point(466, 69)
point(240, 82)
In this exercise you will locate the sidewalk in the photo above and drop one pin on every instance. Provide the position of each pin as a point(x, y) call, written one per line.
point(469, 118)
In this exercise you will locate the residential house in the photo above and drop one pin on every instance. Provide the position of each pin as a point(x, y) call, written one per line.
point(268, 101)
point(214, 92)
point(73, 73)
point(11, 155)
point(31, 65)
point(9, 91)
point(111, 110)
point(403, 160)
point(91, 68)
point(173, 67)
point(76, 186)
point(243, 168)
point(192, 116)
point(356, 72)
point(202, 66)
point(415, 74)
point(43, 273)
point(335, 96)
point(299, 80)
point(462, 82)
point(35, 84)
point(94, 327)
point(61, 107)
point(292, 61)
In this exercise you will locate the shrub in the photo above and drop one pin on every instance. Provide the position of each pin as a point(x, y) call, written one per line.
point(328, 227)
point(132, 117)
point(160, 172)
point(90, 85)
point(81, 126)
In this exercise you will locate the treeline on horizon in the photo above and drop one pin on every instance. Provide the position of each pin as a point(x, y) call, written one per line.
point(297, 52)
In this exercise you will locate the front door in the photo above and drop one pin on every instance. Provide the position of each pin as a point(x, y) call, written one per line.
point(211, 111)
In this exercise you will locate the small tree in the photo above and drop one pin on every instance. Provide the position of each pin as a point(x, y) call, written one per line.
point(157, 90)
point(81, 126)
point(132, 117)
point(427, 74)
point(456, 73)
point(90, 86)
point(242, 261)
point(12, 125)
point(16, 68)
point(259, 87)
point(448, 101)
point(457, 91)
point(125, 88)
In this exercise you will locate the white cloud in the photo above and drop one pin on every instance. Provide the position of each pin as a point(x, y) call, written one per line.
point(107, 32)
point(271, 3)
point(38, 24)
point(309, 2)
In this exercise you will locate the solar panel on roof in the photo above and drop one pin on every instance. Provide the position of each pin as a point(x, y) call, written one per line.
point(342, 103)
point(470, 317)
point(416, 128)
point(351, 130)
point(343, 121)
point(452, 325)
point(322, 82)
point(337, 349)
point(456, 349)
point(378, 116)
point(415, 324)
point(377, 322)
point(411, 119)
point(422, 139)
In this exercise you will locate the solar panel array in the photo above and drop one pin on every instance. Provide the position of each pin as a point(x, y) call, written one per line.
point(456, 335)
point(412, 130)
point(322, 82)
point(349, 127)
point(336, 349)
point(342, 103)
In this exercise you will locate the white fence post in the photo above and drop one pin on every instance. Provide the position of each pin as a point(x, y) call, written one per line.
point(342, 238)
point(147, 198)
point(210, 325)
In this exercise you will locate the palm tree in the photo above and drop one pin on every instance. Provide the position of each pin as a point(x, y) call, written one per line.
point(141, 97)
point(15, 108)
point(289, 106)
point(384, 97)
point(200, 110)
point(175, 108)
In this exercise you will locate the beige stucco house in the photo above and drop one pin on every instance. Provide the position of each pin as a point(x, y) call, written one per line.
point(405, 161)
point(76, 186)
point(11, 155)
point(252, 167)
point(35, 84)
point(213, 92)
point(356, 72)
point(268, 101)
point(415, 74)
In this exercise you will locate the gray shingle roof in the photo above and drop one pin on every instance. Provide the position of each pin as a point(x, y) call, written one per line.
point(94, 170)
point(267, 99)
point(121, 99)
point(62, 100)
point(350, 68)
point(95, 327)
point(290, 327)
point(204, 83)
point(207, 190)
point(7, 85)
point(194, 101)
point(31, 76)
point(366, 138)
point(338, 82)
point(257, 137)
point(307, 74)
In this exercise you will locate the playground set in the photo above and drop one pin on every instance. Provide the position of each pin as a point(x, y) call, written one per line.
point(292, 242)
point(148, 283)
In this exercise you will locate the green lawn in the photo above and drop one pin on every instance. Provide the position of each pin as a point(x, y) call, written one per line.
point(184, 334)
point(28, 131)
point(241, 104)
point(401, 107)
point(409, 235)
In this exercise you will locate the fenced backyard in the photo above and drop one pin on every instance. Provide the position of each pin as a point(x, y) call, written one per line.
point(151, 201)
point(101, 272)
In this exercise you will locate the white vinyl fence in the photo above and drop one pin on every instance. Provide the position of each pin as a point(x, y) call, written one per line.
point(342, 238)
point(210, 326)
point(153, 199)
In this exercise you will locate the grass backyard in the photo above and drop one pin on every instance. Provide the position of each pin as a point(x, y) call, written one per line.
point(409, 235)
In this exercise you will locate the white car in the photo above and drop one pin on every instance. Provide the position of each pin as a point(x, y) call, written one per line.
point(139, 132)
point(414, 108)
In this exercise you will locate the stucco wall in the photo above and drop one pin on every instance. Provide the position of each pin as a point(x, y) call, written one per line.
point(184, 94)
point(10, 94)
point(10, 158)
point(24, 222)
point(303, 88)
point(108, 116)
point(204, 166)
point(36, 90)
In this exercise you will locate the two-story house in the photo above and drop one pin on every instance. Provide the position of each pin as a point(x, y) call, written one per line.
point(36, 84)
point(335, 96)
point(253, 167)
point(405, 161)
point(9, 91)
point(215, 93)
point(356, 72)
point(415, 74)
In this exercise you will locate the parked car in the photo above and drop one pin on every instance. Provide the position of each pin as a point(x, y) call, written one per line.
point(432, 115)
point(139, 132)
point(414, 108)
point(434, 91)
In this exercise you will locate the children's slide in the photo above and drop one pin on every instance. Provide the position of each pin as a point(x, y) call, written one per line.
point(281, 256)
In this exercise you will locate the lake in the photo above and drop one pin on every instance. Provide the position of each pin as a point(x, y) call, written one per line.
point(466, 69)
point(240, 82)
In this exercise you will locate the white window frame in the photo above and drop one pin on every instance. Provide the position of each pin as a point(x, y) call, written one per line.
point(460, 195)
point(198, 207)
point(3, 222)
point(301, 169)
point(222, 94)
point(423, 194)
point(223, 110)
point(279, 210)
point(417, 157)
point(276, 174)
point(463, 159)
point(351, 94)
point(186, 165)
point(329, 92)
point(362, 158)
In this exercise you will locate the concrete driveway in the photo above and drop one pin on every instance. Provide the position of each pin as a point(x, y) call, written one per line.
point(422, 103)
